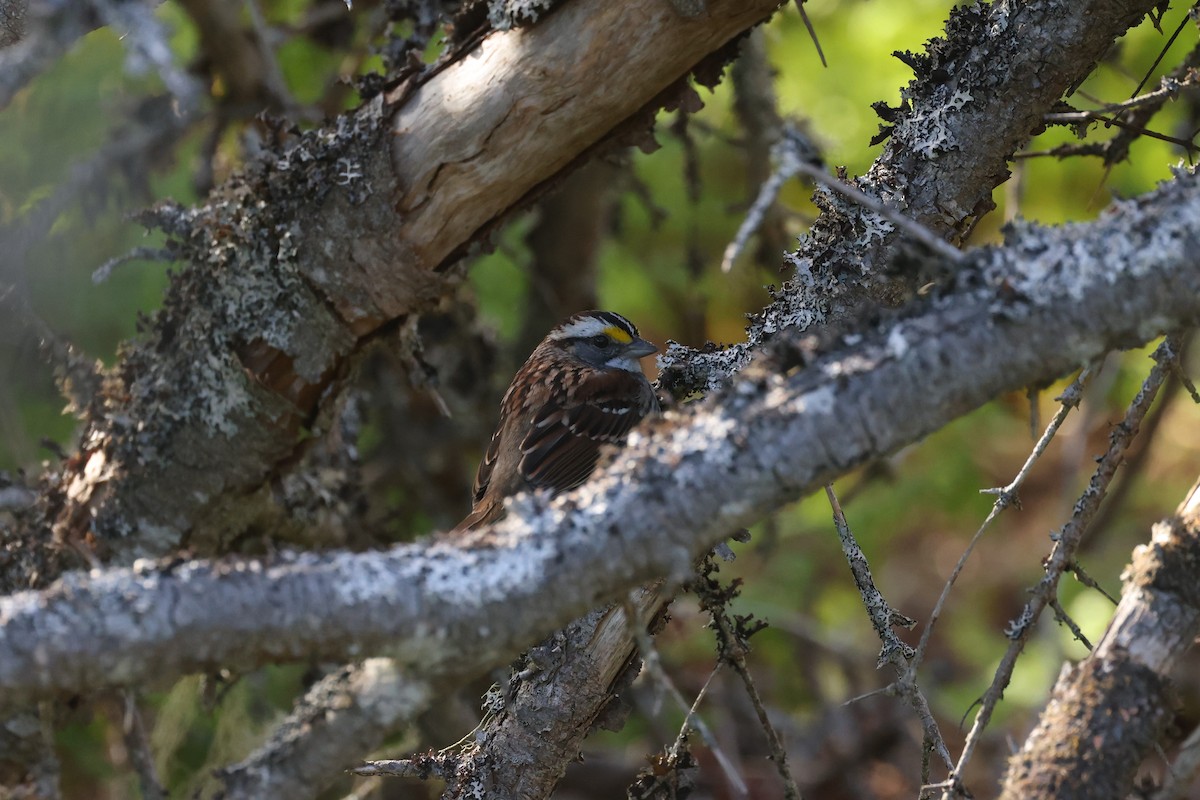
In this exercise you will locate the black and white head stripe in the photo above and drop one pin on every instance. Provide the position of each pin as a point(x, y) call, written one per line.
point(593, 323)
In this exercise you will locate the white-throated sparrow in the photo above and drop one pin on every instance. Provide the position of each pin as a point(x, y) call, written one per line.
point(582, 387)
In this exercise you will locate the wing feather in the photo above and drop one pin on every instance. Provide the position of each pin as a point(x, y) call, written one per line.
point(563, 444)
point(562, 418)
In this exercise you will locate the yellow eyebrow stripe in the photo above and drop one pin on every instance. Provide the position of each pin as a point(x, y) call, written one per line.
point(618, 335)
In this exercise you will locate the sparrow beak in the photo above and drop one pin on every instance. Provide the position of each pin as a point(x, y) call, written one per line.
point(640, 348)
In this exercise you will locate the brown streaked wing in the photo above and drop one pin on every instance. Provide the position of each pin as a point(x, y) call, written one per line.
point(561, 448)
point(483, 475)
point(524, 392)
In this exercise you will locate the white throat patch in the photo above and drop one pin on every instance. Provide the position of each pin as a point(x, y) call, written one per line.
point(626, 363)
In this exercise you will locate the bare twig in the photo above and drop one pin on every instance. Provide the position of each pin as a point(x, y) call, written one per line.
point(795, 154)
point(272, 72)
point(686, 727)
point(732, 648)
point(786, 167)
point(1180, 373)
point(1166, 46)
point(793, 149)
point(1091, 583)
point(883, 617)
point(1005, 497)
point(138, 747)
point(653, 664)
point(812, 33)
point(1076, 117)
point(1061, 615)
point(102, 272)
point(1066, 542)
point(1170, 88)
point(1139, 455)
point(1137, 117)
point(424, 767)
point(905, 223)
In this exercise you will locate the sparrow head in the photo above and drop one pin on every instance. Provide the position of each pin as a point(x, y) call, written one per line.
point(602, 340)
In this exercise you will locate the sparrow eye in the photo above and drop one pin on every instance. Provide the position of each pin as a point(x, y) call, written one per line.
point(601, 341)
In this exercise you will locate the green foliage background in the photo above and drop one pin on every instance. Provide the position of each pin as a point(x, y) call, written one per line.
point(913, 514)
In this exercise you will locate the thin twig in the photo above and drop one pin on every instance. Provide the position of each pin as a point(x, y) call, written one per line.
point(1181, 374)
point(1076, 117)
point(795, 154)
point(785, 169)
point(138, 746)
point(1163, 51)
point(423, 767)
point(1066, 151)
point(883, 617)
point(653, 664)
point(685, 728)
point(1116, 149)
point(1091, 583)
point(1061, 615)
point(272, 72)
point(1135, 460)
point(1005, 497)
point(104, 271)
point(1169, 89)
point(1066, 543)
point(732, 648)
point(910, 226)
point(812, 32)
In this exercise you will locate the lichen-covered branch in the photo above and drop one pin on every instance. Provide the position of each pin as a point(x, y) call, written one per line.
point(350, 710)
point(978, 95)
point(326, 242)
point(1011, 85)
point(570, 686)
point(1107, 713)
point(1025, 313)
point(34, 35)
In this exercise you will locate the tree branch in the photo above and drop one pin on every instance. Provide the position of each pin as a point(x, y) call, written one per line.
point(310, 253)
point(1106, 714)
point(977, 96)
point(352, 709)
point(36, 34)
point(1025, 313)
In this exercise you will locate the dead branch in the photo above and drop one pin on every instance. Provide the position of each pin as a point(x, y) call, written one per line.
point(322, 244)
point(1107, 713)
point(1051, 299)
point(350, 710)
point(976, 97)
point(1062, 555)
